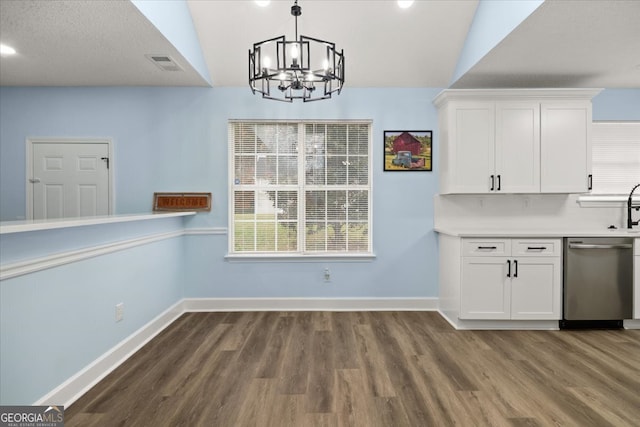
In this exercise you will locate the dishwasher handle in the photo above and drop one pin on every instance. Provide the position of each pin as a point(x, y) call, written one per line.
point(600, 246)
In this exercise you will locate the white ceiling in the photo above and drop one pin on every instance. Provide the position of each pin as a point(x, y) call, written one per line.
point(594, 43)
point(85, 43)
point(569, 43)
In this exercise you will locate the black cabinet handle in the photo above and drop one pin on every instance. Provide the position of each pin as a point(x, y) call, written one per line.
point(492, 183)
point(536, 248)
point(590, 182)
point(498, 183)
point(515, 266)
point(508, 268)
point(487, 247)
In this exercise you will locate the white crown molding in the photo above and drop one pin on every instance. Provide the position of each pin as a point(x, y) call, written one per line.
point(8, 271)
point(520, 94)
point(205, 231)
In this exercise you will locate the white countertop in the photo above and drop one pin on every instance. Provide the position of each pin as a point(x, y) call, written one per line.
point(8, 227)
point(537, 232)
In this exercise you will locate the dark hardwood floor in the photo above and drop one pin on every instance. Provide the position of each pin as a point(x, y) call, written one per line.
point(366, 369)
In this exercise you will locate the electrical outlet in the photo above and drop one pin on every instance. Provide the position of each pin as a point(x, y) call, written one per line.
point(327, 275)
point(119, 312)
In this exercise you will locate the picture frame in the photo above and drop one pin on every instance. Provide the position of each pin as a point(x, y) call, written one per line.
point(408, 150)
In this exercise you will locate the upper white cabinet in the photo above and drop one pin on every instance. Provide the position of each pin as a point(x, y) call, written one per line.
point(517, 147)
point(471, 153)
point(565, 147)
point(515, 141)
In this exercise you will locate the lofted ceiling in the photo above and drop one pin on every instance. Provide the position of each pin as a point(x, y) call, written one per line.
point(592, 43)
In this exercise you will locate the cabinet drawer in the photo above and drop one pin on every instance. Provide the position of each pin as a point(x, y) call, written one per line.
point(536, 247)
point(486, 247)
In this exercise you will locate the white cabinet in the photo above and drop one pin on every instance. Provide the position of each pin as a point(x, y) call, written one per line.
point(485, 290)
point(636, 280)
point(514, 141)
point(565, 147)
point(517, 279)
point(471, 150)
point(495, 147)
point(517, 147)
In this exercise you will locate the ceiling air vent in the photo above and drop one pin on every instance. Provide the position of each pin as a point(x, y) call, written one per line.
point(164, 62)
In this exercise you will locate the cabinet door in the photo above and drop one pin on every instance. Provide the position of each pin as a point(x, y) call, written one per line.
point(473, 147)
point(484, 289)
point(636, 284)
point(517, 147)
point(535, 288)
point(565, 147)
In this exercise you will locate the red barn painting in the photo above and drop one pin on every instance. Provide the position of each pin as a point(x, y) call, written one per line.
point(406, 142)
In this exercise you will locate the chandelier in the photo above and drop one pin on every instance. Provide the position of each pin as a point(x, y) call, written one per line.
point(292, 75)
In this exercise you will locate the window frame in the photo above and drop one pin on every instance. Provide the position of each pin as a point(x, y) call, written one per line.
point(604, 200)
point(301, 187)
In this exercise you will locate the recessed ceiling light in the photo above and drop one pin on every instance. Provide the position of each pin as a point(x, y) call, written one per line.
point(404, 4)
point(263, 3)
point(6, 50)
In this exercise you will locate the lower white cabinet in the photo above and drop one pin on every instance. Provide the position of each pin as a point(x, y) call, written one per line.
point(636, 280)
point(518, 279)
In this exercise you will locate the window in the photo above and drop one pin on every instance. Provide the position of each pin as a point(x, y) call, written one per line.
point(300, 188)
point(616, 157)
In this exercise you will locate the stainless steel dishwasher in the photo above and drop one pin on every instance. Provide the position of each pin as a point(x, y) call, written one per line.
point(598, 281)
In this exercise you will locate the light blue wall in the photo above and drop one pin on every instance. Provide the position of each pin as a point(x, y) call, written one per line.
point(493, 21)
point(617, 104)
point(151, 129)
point(54, 322)
point(175, 139)
point(403, 237)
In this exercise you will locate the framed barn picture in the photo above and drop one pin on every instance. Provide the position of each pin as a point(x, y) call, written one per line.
point(407, 150)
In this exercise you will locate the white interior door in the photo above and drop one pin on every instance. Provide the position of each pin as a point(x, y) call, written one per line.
point(69, 179)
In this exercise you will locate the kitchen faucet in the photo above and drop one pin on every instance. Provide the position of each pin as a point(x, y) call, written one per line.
point(630, 222)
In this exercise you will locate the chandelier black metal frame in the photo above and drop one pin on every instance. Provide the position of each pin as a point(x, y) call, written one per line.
point(292, 77)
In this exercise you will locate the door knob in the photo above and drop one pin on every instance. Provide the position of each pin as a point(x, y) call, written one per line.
point(34, 180)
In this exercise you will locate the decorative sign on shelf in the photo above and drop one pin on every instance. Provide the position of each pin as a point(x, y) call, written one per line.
point(181, 201)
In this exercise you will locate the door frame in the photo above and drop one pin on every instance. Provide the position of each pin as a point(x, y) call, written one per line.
point(29, 167)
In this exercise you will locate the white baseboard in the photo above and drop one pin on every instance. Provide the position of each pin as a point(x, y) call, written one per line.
point(310, 304)
point(632, 324)
point(73, 388)
point(510, 325)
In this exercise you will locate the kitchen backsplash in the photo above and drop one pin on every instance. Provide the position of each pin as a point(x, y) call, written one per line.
point(523, 211)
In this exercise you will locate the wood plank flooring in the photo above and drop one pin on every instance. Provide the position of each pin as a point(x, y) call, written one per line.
point(366, 369)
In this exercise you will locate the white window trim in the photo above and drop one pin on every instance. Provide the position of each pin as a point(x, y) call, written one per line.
point(269, 257)
point(300, 256)
point(594, 200)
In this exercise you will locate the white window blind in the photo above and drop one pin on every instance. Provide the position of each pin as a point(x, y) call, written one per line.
point(616, 157)
point(300, 187)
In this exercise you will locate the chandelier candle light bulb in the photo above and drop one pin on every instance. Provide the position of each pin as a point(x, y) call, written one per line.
point(292, 77)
